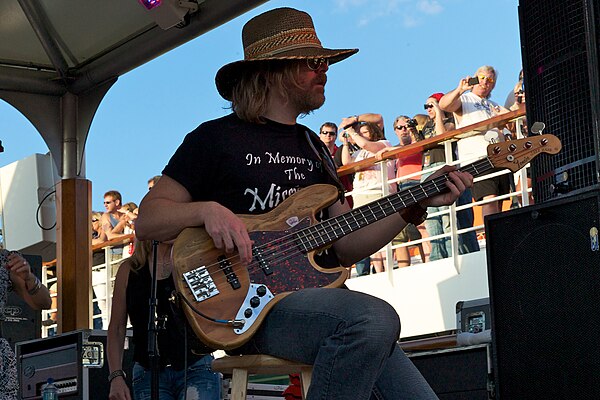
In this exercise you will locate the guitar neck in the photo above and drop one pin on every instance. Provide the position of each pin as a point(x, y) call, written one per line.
point(327, 232)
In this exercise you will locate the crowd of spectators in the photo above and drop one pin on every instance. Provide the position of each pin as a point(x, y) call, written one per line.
point(118, 219)
point(363, 136)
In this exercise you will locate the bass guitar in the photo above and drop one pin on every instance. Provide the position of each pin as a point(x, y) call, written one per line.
point(226, 301)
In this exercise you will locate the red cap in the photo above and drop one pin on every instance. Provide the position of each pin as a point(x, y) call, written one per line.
point(437, 96)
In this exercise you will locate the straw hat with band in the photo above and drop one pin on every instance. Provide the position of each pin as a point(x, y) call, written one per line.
point(279, 34)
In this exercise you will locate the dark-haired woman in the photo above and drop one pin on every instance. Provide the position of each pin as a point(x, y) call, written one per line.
point(177, 344)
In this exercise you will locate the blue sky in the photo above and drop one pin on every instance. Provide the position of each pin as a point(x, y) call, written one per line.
point(409, 49)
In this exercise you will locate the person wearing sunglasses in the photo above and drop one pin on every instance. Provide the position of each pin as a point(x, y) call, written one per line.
point(98, 235)
point(113, 221)
point(262, 156)
point(367, 185)
point(439, 122)
point(327, 134)
point(470, 103)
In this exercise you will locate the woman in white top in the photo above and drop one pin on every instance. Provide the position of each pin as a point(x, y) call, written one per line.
point(367, 185)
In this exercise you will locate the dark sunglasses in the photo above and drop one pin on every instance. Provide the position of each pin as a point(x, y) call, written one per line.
point(108, 202)
point(427, 106)
point(400, 127)
point(328, 133)
point(316, 63)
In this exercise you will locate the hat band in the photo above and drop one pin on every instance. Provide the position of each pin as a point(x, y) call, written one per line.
point(277, 44)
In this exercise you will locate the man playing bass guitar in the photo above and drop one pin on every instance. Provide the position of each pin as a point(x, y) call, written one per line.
point(249, 162)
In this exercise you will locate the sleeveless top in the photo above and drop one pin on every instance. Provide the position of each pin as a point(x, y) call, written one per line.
point(113, 220)
point(171, 340)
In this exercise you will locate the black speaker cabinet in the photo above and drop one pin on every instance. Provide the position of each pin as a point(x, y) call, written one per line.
point(459, 373)
point(75, 360)
point(559, 46)
point(18, 321)
point(544, 283)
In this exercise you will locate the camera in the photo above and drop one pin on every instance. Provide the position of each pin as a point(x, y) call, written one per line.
point(412, 123)
point(354, 125)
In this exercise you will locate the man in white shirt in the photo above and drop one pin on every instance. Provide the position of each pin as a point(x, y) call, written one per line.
point(470, 104)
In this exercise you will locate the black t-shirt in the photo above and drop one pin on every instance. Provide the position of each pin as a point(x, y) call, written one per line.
point(248, 168)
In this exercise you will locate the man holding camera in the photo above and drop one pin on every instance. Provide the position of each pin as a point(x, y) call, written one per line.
point(261, 155)
point(470, 104)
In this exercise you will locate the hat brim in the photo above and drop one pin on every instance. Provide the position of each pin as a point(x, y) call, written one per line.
point(228, 74)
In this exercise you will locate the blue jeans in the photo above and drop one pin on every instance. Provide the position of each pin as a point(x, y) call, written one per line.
point(467, 241)
point(438, 225)
point(363, 267)
point(353, 350)
point(202, 383)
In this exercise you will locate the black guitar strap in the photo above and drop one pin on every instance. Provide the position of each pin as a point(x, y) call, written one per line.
point(326, 160)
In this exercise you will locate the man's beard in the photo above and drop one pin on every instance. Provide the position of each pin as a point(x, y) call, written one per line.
point(308, 100)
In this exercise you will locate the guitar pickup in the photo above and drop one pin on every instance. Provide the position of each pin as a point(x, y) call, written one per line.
point(228, 271)
point(201, 283)
point(262, 263)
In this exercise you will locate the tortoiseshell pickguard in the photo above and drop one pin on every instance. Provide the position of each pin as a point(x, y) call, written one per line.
point(291, 269)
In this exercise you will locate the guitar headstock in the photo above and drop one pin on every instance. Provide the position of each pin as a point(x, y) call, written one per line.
point(515, 154)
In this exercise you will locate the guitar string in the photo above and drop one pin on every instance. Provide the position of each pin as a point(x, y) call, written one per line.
point(278, 245)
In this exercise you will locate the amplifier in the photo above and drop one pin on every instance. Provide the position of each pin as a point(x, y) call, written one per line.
point(473, 316)
point(457, 373)
point(75, 360)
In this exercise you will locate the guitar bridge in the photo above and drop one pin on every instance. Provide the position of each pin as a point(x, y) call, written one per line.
point(201, 283)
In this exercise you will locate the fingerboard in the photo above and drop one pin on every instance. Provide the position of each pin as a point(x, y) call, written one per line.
point(327, 232)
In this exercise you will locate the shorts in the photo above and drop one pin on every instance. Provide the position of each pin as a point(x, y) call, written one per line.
point(497, 186)
point(410, 232)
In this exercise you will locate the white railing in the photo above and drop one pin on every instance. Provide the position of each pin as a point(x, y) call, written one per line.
point(454, 232)
point(105, 263)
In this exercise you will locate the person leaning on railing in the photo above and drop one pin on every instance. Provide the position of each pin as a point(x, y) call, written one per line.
point(438, 123)
point(470, 104)
point(367, 185)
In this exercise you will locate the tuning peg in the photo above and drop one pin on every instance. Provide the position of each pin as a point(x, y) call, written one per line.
point(537, 128)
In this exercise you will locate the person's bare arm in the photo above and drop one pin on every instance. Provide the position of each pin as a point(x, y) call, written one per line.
point(366, 117)
point(117, 328)
point(451, 101)
point(363, 143)
point(439, 118)
point(110, 231)
point(168, 209)
point(26, 284)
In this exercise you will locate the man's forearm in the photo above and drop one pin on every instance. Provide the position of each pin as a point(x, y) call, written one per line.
point(155, 223)
point(451, 101)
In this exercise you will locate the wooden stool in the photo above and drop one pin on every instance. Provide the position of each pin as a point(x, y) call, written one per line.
point(242, 366)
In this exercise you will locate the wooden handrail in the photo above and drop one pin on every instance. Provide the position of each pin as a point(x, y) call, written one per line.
point(124, 239)
point(426, 144)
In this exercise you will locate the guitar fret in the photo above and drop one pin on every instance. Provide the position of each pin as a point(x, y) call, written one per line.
point(389, 200)
point(302, 243)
